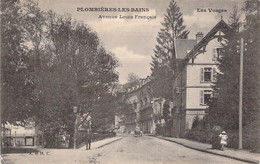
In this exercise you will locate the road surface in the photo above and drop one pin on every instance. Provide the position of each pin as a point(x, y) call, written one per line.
point(129, 150)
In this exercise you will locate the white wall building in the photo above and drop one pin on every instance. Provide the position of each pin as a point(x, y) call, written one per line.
point(195, 77)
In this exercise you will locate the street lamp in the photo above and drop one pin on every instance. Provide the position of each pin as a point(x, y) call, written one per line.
point(90, 125)
point(75, 110)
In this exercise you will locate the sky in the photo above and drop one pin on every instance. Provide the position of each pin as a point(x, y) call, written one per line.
point(132, 41)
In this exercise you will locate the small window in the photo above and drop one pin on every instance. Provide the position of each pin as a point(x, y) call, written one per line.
point(205, 96)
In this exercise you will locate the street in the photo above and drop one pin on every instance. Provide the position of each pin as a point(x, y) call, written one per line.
point(128, 150)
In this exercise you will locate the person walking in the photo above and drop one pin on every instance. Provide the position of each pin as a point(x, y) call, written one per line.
point(88, 141)
point(223, 139)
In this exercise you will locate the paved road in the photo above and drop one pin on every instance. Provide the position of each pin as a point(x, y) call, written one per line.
point(152, 150)
point(129, 150)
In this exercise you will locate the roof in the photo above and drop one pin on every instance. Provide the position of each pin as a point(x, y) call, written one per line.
point(220, 26)
point(182, 46)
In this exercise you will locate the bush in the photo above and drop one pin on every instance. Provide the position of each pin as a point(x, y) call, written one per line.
point(200, 131)
point(199, 135)
point(251, 141)
point(195, 122)
point(159, 130)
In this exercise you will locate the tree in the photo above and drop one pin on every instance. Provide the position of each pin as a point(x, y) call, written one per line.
point(167, 118)
point(132, 80)
point(166, 112)
point(195, 122)
point(50, 64)
point(234, 19)
point(74, 71)
point(103, 113)
point(224, 106)
point(16, 87)
point(164, 59)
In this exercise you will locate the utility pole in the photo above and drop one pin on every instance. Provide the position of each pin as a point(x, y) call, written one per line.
point(241, 92)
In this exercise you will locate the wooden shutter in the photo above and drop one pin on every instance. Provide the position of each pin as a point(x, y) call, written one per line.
point(214, 56)
point(201, 74)
point(202, 97)
point(214, 74)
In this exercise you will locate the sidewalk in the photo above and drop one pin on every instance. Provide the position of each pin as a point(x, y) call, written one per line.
point(241, 155)
point(101, 143)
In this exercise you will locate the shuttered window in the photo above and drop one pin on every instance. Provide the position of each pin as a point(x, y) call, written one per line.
point(205, 96)
point(207, 74)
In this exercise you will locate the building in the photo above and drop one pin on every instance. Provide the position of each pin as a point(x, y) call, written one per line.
point(19, 135)
point(146, 110)
point(196, 69)
point(120, 123)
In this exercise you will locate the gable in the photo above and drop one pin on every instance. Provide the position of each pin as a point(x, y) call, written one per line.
point(219, 31)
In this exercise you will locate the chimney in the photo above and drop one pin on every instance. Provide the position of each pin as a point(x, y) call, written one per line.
point(199, 36)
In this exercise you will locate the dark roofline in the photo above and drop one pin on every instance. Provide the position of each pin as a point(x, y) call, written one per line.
point(220, 26)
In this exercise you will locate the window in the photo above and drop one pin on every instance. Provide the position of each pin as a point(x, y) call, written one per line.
point(216, 53)
point(205, 96)
point(207, 74)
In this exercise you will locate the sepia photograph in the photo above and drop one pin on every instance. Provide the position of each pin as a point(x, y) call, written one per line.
point(130, 81)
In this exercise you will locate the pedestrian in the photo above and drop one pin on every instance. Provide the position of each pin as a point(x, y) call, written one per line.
point(223, 139)
point(88, 141)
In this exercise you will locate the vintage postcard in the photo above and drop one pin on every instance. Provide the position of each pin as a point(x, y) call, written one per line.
point(130, 81)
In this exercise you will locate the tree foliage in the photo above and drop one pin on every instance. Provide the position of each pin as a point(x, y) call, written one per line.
point(132, 80)
point(195, 122)
point(65, 63)
point(164, 59)
point(224, 107)
point(16, 88)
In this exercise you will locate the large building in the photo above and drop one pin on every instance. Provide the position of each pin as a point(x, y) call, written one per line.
point(196, 69)
point(146, 110)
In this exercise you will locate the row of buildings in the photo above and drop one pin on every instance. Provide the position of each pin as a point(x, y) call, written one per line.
point(192, 86)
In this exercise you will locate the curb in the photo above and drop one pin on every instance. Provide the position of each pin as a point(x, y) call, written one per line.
point(109, 142)
point(205, 151)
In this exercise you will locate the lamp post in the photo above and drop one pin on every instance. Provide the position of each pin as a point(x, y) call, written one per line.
point(75, 110)
point(90, 125)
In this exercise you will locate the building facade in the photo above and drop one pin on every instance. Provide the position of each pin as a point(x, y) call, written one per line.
point(195, 76)
point(19, 135)
point(146, 110)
